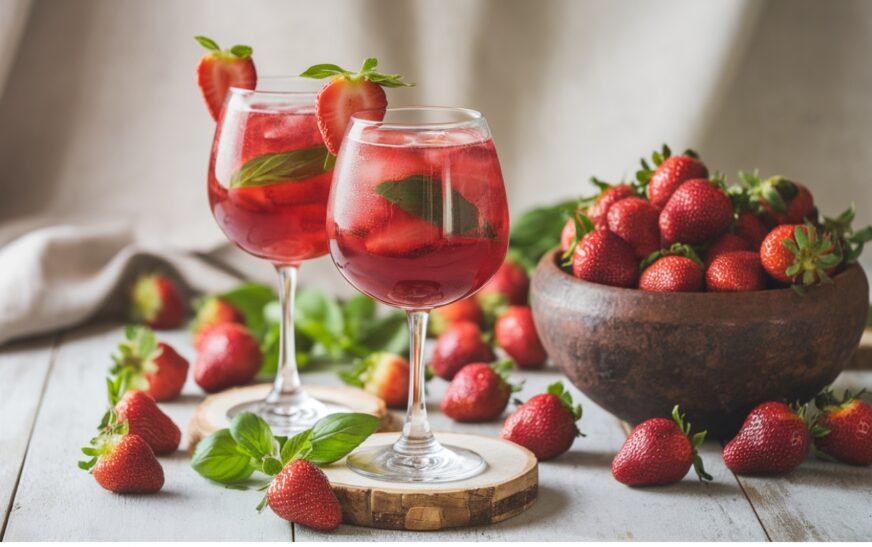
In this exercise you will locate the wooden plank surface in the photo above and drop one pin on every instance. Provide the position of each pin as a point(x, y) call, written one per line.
point(57, 501)
point(818, 501)
point(23, 369)
point(578, 497)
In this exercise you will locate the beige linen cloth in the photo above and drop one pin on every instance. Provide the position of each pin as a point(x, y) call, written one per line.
point(104, 140)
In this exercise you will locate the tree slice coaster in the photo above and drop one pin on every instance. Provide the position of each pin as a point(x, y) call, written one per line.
point(506, 488)
point(211, 414)
point(862, 358)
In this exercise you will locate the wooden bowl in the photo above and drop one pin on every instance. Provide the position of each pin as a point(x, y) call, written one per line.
point(717, 355)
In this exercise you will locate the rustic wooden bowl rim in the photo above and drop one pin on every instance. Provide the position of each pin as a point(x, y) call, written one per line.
point(552, 258)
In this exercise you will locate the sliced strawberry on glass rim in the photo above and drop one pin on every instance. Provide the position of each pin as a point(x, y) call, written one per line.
point(348, 93)
point(219, 70)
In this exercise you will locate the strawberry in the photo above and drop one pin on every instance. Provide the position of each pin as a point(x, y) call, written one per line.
point(669, 174)
point(123, 463)
point(145, 419)
point(738, 271)
point(546, 424)
point(214, 311)
point(698, 211)
point(567, 235)
point(602, 257)
point(510, 282)
point(479, 392)
point(608, 196)
point(403, 237)
point(781, 201)
point(677, 269)
point(727, 243)
point(301, 493)
point(843, 429)
point(466, 309)
point(659, 451)
point(219, 70)
point(774, 439)
point(459, 345)
point(750, 228)
point(228, 356)
point(157, 301)
point(385, 375)
point(516, 334)
point(149, 365)
point(635, 221)
point(796, 253)
point(347, 93)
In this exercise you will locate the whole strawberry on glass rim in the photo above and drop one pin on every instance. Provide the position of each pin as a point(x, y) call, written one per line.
point(348, 93)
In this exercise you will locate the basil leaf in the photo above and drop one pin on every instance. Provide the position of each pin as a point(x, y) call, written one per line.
point(252, 434)
point(422, 197)
point(281, 167)
point(318, 316)
point(218, 458)
point(271, 466)
point(297, 447)
point(537, 231)
point(389, 333)
point(357, 311)
point(250, 299)
point(334, 436)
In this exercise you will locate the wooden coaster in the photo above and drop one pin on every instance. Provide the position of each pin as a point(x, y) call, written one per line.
point(211, 414)
point(506, 488)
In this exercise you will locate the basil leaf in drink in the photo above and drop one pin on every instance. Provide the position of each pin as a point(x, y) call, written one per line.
point(252, 434)
point(218, 458)
point(334, 436)
point(422, 197)
point(281, 167)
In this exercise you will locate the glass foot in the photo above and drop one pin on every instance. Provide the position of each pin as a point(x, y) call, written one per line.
point(288, 414)
point(446, 464)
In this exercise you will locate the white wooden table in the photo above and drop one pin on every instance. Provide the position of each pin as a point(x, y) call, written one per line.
point(52, 396)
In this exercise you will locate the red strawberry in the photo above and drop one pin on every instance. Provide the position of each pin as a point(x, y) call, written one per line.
point(348, 93)
point(466, 309)
point(545, 424)
point(677, 269)
point(567, 235)
point(123, 463)
point(697, 212)
point(511, 282)
point(214, 311)
point(843, 429)
point(516, 334)
point(479, 392)
point(796, 253)
point(774, 439)
point(157, 301)
point(385, 375)
point(636, 221)
point(669, 174)
point(228, 356)
point(727, 243)
point(659, 451)
point(403, 237)
point(609, 195)
point(602, 257)
point(750, 228)
point(150, 366)
point(301, 494)
point(782, 201)
point(458, 346)
point(738, 271)
point(145, 419)
point(219, 70)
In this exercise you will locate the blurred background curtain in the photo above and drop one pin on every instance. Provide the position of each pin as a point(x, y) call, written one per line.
point(101, 120)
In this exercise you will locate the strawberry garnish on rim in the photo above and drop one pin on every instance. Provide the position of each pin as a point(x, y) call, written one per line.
point(348, 93)
point(219, 70)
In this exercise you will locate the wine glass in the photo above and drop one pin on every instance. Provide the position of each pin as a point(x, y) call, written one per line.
point(417, 219)
point(269, 180)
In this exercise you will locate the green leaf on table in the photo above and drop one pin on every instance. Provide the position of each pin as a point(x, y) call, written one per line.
point(334, 436)
point(250, 299)
point(357, 311)
point(537, 231)
point(319, 317)
point(253, 435)
point(218, 458)
point(422, 197)
point(389, 333)
point(294, 165)
point(297, 447)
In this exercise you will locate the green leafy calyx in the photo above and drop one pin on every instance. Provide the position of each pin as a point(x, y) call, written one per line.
point(367, 72)
point(696, 440)
point(236, 52)
point(813, 254)
point(558, 390)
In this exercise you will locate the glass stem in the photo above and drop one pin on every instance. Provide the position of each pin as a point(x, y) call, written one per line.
point(417, 438)
point(287, 380)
